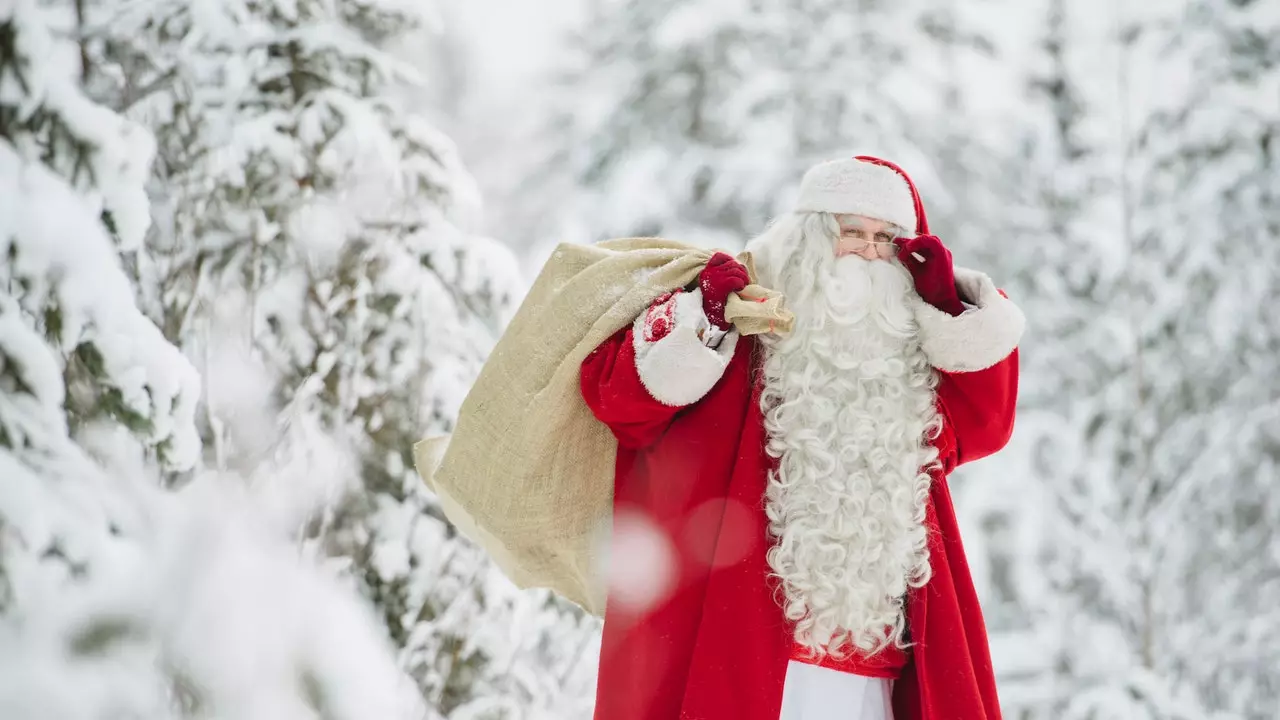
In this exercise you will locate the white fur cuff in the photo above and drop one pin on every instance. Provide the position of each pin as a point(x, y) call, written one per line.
point(677, 368)
point(978, 338)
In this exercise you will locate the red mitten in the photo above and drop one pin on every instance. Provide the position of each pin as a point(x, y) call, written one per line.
point(931, 267)
point(721, 276)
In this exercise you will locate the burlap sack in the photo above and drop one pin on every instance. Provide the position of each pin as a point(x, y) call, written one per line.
point(528, 471)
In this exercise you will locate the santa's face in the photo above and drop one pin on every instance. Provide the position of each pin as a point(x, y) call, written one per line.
point(866, 237)
point(848, 403)
point(837, 270)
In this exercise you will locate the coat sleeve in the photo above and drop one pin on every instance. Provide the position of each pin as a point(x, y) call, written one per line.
point(976, 355)
point(979, 407)
point(639, 379)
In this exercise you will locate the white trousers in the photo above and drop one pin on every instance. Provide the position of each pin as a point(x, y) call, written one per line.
point(818, 693)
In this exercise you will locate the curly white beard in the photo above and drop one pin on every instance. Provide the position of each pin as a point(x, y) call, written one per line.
point(849, 408)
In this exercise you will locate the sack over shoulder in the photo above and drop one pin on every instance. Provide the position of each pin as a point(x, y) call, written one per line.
point(528, 471)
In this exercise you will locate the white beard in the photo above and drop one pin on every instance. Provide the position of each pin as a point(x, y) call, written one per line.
point(849, 410)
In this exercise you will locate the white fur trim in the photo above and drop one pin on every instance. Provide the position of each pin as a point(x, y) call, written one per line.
point(977, 339)
point(679, 369)
point(855, 187)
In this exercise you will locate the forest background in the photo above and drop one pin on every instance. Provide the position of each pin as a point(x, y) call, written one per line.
point(254, 249)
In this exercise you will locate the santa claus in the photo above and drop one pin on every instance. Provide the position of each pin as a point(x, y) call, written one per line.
point(794, 490)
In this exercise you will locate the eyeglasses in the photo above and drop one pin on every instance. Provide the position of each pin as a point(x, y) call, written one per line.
point(885, 249)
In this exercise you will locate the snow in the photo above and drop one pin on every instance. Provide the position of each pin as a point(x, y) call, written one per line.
point(307, 256)
point(211, 598)
point(236, 581)
point(121, 154)
point(265, 550)
point(56, 247)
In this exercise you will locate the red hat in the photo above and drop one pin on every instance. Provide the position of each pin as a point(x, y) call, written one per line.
point(864, 186)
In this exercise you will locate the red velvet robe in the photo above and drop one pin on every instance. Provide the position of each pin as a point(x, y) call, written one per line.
point(718, 647)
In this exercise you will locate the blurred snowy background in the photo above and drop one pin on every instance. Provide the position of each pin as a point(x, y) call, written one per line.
point(253, 249)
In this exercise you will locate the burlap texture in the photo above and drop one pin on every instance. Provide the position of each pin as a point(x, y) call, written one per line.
point(528, 471)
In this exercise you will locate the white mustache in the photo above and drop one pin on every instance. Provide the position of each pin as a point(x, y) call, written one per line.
point(855, 289)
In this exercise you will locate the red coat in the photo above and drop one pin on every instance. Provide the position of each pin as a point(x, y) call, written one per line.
point(718, 648)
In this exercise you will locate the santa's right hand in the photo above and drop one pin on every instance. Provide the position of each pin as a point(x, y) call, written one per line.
point(722, 275)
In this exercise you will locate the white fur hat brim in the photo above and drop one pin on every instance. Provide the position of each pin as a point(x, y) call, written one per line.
point(854, 187)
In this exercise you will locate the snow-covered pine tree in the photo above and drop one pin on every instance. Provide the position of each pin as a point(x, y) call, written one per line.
point(963, 105)
point(649, 111)
point(1146, 401)
point(1198, 447)
point(1060, 261)
point(61, 307)
point(76, 355)
point(52, 132)
point(315, 233)
point(107, 580)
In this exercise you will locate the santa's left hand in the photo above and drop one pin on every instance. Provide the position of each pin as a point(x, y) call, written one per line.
point(933, 271)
